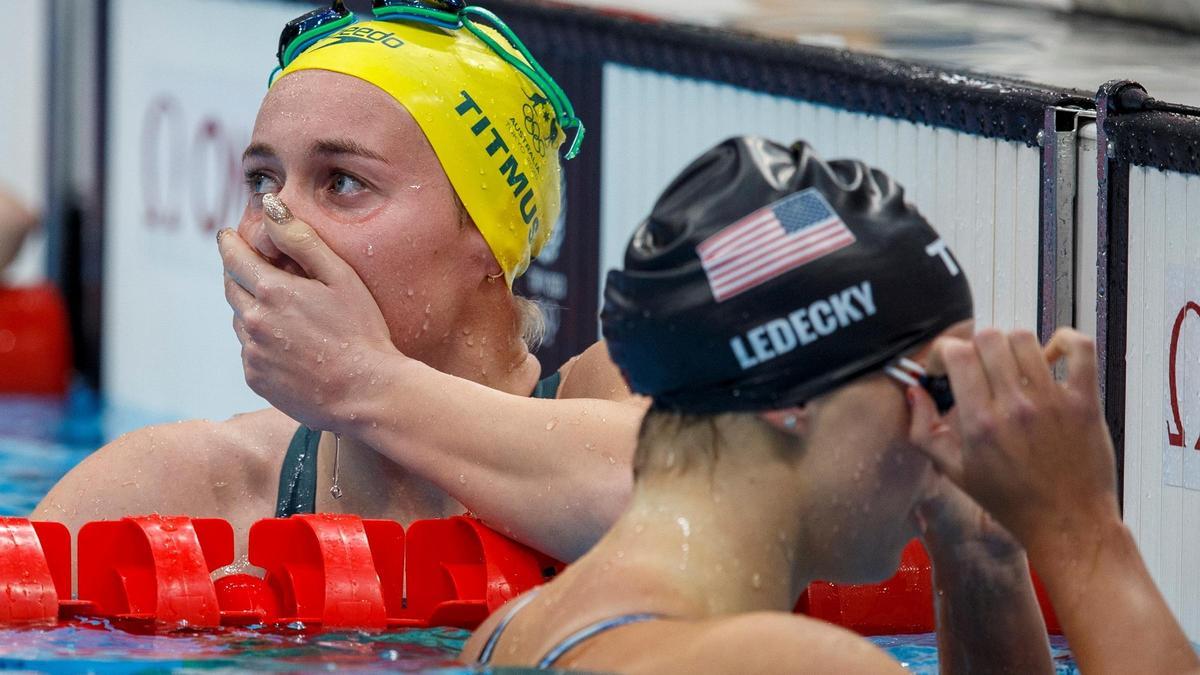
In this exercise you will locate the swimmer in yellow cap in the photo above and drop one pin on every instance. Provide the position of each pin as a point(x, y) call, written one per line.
point(403, 171)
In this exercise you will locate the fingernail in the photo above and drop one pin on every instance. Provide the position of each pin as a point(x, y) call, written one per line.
point(220, 233)
point(275, 209)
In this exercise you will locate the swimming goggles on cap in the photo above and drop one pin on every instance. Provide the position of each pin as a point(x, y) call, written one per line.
point(913, 374)
point(301, 33)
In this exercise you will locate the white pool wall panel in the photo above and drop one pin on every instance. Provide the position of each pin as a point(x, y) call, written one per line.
point(168, 344)
point(981, 194)
point(23, 125)
point(1162, 481)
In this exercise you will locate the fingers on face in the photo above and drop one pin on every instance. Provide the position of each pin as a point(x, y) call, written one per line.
point(238, 297)
point(242, 263)
point(300, 242)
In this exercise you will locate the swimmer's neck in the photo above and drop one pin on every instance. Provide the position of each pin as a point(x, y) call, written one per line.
point(486, 347)
point(374, 486)
point(709, 547)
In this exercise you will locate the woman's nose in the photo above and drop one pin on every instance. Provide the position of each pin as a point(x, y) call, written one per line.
point(254, 232)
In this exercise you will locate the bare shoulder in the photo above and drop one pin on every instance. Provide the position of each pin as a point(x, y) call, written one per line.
point(186, 467)
point(776, 642)
point(759, 642)
point(592, 374)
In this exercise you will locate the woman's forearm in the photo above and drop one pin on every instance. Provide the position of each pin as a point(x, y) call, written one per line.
point(987, 613)
point(553, 474)
point(1110, 609)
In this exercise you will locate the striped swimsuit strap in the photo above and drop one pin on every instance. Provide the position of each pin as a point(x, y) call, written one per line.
point(485, 654)
point(590, 632)
point(572, 641)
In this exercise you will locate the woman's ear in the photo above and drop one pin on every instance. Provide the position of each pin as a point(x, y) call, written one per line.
point(793, 420)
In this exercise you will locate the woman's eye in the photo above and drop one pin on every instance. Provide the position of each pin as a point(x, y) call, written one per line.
point(260, 183)
point(344, 184)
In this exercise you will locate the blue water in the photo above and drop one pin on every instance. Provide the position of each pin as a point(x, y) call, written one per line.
point(42, 438)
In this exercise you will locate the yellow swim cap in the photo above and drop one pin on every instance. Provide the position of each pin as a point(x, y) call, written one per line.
point(494, 130)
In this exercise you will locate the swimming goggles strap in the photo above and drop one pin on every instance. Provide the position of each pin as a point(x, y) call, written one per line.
point(474, 19)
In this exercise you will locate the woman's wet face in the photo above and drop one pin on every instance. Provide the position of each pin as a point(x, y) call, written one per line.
point(872, 476)
point(353, 163)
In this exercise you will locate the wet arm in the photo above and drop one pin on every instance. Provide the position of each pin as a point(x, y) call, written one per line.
point(1109, 607)
point(553, 474)
point(988, 619)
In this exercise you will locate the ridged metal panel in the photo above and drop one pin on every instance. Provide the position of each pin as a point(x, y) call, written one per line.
point(982, 194)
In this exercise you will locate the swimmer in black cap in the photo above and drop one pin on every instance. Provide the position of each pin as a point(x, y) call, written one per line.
point(777, 309)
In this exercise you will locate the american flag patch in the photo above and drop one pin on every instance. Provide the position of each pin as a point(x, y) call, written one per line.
point(795, 230)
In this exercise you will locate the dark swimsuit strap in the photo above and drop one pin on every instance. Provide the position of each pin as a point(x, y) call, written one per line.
point(298, 477)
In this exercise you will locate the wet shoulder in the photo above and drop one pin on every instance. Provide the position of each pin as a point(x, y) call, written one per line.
point(760, 642)
point(592, 374)
point(196, 467)
point(779, 642)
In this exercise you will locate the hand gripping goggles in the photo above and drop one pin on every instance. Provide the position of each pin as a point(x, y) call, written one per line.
point(912, 374)
point(301, 33)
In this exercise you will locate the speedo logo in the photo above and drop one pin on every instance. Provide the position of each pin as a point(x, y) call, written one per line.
point(363, 34)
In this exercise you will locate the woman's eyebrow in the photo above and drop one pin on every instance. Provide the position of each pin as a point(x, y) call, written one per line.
point(345, 146)
point(258, 150)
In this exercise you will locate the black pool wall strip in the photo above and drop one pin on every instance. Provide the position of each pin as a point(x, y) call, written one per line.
point(977, 104)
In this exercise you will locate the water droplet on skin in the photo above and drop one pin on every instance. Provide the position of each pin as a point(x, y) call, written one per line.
point(756, 580)
point(370, 249)
point(639, 528)
point(353, 415)
point(483, 340)
point(321, 357)
point(470, 341)
point(277, 332)
point(670, 458)
point(612, 460)
point(551, 424)
point(287, 346)
point(462, 479)
point(345, 345)
point(220, 484)
point(466, 331)
point(589, 446)
point(410, 292)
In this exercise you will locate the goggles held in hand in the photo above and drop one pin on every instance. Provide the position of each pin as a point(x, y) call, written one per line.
point(913, 374)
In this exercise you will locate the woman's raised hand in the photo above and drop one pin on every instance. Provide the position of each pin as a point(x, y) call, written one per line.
point(1035, 452)
point(306, 342)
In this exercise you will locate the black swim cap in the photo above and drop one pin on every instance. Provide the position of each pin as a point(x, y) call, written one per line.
point(765, 276)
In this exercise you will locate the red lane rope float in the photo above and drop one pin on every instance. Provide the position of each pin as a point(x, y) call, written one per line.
point(34, 572)
point(342, 571)
point(35, 347)
point(154, 568)
point(460, 571)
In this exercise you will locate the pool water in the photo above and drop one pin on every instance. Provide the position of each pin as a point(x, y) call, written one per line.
point(42, 438)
